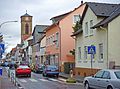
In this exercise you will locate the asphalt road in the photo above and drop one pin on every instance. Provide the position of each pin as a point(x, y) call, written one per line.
point(37, 81)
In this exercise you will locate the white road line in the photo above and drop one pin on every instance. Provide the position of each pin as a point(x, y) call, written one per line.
point(43, 80)
point(33, 80)
point(23, 80)
point(61, 79)
point(53, 79)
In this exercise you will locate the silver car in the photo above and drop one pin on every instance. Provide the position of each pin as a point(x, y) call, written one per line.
point(103, 79)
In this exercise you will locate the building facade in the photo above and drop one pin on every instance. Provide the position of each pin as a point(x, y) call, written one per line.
point(100, 38)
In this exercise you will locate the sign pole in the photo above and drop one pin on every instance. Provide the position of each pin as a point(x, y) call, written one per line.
point(91, 63)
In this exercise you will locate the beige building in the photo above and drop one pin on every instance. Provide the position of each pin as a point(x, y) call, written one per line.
point(99, 30)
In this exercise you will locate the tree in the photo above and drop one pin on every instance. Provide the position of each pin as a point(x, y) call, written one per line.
point(77, 26)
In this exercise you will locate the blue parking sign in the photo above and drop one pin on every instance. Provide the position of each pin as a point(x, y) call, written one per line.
point(2, 48)
point(0, 71)
point(91, 49)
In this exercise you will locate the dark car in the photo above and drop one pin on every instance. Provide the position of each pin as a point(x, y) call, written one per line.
point(39, 68)
point(50, 70)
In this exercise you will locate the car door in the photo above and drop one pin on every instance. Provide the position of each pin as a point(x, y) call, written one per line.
point(94, 81)
point(105, 80)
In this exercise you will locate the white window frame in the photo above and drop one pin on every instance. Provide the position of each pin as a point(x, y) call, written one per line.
point(85, 52)
point(57, 40)
point(101, 51)
point(76, 18)
point(79, 53)
point(91, 30)
point(86, 28)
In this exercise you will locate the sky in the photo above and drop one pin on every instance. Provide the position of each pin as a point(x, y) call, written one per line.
point(41, 10)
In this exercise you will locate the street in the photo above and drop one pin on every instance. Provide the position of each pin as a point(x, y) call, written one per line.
point(37, 81)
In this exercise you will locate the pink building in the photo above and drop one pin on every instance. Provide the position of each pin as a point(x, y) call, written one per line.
point(59, 42)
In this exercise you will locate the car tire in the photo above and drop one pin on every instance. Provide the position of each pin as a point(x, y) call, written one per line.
point(16, 75)
point(86, 85)
point(109, 87)
point(57, 75)
point(29, 75)
point(43, 74)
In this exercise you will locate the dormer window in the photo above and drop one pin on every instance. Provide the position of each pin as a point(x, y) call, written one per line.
point(76, 18)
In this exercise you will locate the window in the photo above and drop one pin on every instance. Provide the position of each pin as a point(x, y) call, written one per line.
point(101, 51)
point(117, 73)
point(85, 52)
point(99, 74)
point(76, 18)
point(91, 24)
point(57, 39)
point(26, 28)
point(106, 75)
point(79, 52)
point(86, 28)
point(53, 38)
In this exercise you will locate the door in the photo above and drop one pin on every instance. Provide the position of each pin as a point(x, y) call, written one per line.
point(94, 81)
point(105, 80)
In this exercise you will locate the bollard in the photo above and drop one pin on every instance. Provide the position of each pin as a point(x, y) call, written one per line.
point(71, 73)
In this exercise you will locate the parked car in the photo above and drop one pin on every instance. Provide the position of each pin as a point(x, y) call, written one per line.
point(51, 70)
point(23, 70)
point(103, 79)
point(39, 68)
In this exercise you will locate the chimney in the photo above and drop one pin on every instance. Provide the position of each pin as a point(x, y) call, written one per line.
point(81, 2)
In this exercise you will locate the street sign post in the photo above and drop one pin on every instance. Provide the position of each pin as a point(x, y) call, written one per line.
point(92, 51)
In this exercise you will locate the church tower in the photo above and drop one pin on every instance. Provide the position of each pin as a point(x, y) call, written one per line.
point(26, 26)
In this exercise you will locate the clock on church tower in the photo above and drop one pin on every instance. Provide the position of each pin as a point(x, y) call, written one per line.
point(26, 26)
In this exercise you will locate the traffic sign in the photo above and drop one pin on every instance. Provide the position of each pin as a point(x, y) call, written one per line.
point(0, 71)
point(91, 49)
point(2, 48)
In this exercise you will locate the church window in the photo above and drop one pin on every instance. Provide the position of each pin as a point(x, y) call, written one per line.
point(26, 28)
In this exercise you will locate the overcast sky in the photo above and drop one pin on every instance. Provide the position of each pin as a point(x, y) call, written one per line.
point(41, 10)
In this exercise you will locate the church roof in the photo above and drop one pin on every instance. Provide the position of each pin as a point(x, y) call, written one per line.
point(26, 14)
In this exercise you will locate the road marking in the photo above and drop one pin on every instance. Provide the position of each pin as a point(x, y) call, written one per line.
point(23, 80)
point(43, 80)
point(53, 79)
point(61, 79)
point(33, 80)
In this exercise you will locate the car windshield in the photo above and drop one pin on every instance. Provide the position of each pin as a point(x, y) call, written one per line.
point(52, 67)
point(117, 73)
point(23, 67)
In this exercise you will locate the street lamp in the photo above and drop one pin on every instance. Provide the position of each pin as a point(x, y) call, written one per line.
point(1, 36)
point(6, 22)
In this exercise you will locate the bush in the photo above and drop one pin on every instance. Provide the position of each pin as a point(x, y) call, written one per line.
point(71, 80)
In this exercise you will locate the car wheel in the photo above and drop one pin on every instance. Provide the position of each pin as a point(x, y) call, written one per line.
point(16, 75)
point(29, 75)
point(57, 75)
point(109, 87)
point(86, 86)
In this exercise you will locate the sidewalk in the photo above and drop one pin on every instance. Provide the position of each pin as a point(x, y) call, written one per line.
point(79, 79)
point(5, 81)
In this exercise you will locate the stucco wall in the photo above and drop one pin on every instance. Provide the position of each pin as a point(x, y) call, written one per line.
point(114, 40)
point(51, 49)
point(66, 24)
point(99, 36)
